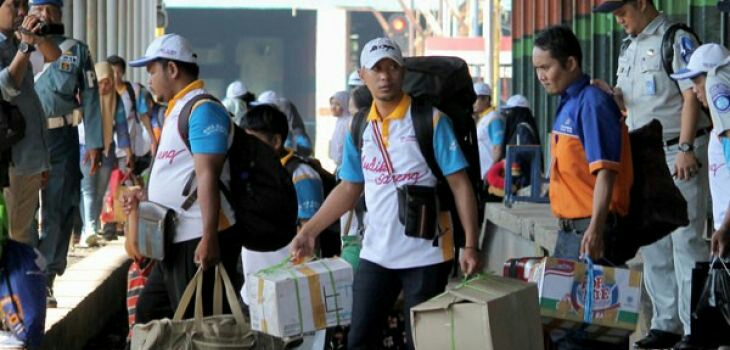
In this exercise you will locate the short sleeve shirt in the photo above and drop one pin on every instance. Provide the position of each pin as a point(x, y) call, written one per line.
point(385, 242)
point(588, 136)
point(649, 92)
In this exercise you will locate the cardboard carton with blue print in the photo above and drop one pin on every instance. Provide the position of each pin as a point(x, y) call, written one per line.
point(563, 286)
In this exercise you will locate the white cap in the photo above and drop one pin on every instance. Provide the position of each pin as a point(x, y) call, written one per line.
point(354, 79)
point(378, 49)
point(517, 101)
point(169, 46)
point(267, 97)
point(703, 59)
point(236, 89)
point(482, 89)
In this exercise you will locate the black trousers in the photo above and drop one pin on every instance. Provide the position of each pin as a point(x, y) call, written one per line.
point(376, 289)
point(168, 279)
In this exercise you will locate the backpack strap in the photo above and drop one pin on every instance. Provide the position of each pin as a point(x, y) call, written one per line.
point(422, 116)
point(183, 120)
point(183, 127)
point(668, 53)
point(668, 44)
point(357, 127)
point(293, 163)
point(132, 96)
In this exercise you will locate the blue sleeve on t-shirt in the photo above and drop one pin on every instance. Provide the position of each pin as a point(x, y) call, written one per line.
point(142, 101)
point(351, 168)
point(600, 126)
point(310, 195)
point(446, 148)
point(495, 129)
point(209, 128)
point(121, 128)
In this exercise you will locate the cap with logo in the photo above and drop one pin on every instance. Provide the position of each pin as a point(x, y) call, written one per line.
point(610, 6)
point(169, 46)
point(380, 48)
point(236, 89)
point(482, 89)
point(517, 101)
point(703, 59)
point(58, 3)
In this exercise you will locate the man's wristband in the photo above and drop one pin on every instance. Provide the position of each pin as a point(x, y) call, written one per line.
point(471, 247)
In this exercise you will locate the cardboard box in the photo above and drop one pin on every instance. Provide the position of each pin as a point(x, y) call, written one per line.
point(492, 313)
point(562, 286)
point(292, 300)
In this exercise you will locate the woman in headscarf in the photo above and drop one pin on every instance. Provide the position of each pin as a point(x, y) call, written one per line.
point(114, 121)
point(339, 105)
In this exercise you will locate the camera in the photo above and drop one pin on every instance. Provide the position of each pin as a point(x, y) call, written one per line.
point(45, 28)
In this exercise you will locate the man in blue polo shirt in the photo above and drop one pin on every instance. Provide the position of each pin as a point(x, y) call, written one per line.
point(591, 171)
point(390, 158)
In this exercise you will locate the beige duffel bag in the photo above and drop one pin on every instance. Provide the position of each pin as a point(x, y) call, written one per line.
point(218, 331)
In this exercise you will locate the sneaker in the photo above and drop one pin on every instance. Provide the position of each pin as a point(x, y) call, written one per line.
point(657, 339)
point(9, 341)
point(91, 241)
point(51, 302)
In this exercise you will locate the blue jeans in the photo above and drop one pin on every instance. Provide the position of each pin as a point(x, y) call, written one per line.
point(376, 289)
point(60, 198)
point(93, 189)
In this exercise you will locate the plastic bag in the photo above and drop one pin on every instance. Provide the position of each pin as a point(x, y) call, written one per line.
point(716, 293)
point(711, 304)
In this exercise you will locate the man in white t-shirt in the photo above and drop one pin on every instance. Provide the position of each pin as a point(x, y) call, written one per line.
point(204, 233)
point(391, 261)
point(490, 128)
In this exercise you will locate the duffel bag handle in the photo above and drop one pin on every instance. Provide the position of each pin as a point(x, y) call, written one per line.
point(195, 286)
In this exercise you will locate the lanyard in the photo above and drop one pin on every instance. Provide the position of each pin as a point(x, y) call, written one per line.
point(383, 151)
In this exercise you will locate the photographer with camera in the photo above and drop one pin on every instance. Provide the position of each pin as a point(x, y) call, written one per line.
point(58, 85)
point(29, 158)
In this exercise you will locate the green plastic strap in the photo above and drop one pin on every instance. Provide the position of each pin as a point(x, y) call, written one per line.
point(274, 268)
point(453, 329)
point(465, 283)
point(334, 290)
point(299, 302)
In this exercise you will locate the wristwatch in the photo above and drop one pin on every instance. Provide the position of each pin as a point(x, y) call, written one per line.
point(686, 147)
point(25, 48)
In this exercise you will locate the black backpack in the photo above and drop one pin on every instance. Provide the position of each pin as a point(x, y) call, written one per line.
point(443, 83)
point(12, 125)
point(261, 190)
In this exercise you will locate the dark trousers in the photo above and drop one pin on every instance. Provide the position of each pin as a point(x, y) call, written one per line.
point(568, 247)
point(60, 198)
point(168, 279)
point(376, 289)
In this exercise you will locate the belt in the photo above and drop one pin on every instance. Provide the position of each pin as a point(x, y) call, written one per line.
point(700, 133)
point(582, 224)
point(72, 119)
point(574, 224)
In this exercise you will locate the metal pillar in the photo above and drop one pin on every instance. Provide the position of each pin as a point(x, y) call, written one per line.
point(101, 30)
point(67, 14)
point(91, 32)
point(121, 28)
point(79, 16)
point(488, 31)
point(111, 28)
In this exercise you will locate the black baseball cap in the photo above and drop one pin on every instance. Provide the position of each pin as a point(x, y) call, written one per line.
point(609, 6)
